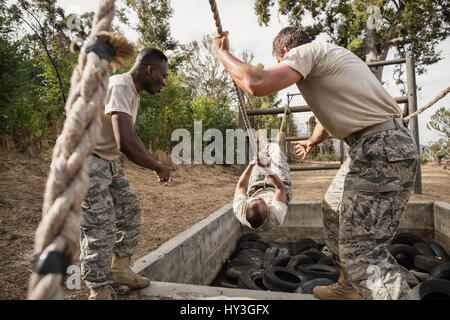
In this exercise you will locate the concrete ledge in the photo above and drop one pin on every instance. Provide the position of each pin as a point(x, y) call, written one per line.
point(183, 266)
point(442, 224)
point(188, 291)
point(196, 255)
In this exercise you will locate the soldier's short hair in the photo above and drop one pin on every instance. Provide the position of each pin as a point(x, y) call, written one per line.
point(149, 55)
point(289, 37)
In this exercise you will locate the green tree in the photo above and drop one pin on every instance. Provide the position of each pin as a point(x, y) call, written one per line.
point(440, 121)
point(153, 23)
point(159, 115)
point(410, 26)
point(22, 122)
point(440, 150)
point(202, 70)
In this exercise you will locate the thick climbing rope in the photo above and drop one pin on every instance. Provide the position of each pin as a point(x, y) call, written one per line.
point(57, 235)
point(281, 135)
point(428, 105)
point(242, 109)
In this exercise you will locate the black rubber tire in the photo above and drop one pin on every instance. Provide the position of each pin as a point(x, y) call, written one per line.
point(283, 279)
point(404, 254)
point(245, 253)
point(427, 263)
point(424, 249)
point(247, 279)
point(249, 237)
point(297, 260)
point(439, 251)
point(247, 260)
point(283, 252)
point(269, 256)
point(314, 254)
point(313, 271)
point(403, 248)
point(287, 245)
point(303, 245)
point(421, 276)
point(431, 290)
point(406, 238)
point(235, 271)
point(252, 245)
point(441, 271)
point(405, 260)
point(269, 286)
point(281, 261)
point(308, 286)
point(327, 260)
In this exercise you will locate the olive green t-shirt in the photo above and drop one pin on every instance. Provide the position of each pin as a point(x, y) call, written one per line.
point(340, 89)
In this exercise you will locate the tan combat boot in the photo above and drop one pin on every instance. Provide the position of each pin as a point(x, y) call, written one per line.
point(103, 293)
point(124, 276)
point(341, 290)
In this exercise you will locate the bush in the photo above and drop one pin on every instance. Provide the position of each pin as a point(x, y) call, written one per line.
point(424, 160)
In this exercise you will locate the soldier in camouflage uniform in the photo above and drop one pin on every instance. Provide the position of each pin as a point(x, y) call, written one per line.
point(363, 207)
point(366, 200)
point(264, 190)
point(111, 209)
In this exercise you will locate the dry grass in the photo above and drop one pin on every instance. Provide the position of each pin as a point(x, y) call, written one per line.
point(195, 193)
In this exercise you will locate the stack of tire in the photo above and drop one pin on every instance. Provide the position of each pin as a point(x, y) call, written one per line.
point(427, 266)
point(261, 264)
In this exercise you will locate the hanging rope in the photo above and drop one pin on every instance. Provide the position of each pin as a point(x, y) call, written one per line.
point(420, 110)
point(242, 109)
point(56, 238)
point(281, 135)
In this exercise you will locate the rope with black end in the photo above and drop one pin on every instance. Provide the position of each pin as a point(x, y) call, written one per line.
point(242, 108)
point(57, 235)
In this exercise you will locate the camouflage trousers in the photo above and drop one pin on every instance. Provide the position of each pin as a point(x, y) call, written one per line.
point(111, 221)
point(278, 165)
point(363, 207)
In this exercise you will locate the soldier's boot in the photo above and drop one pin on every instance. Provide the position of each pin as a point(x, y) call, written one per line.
point(124, 276)
point(103, 293)
point(261, 137)
point(341, 290)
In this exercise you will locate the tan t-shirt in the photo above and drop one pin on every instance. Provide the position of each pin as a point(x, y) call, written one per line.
point(340, 89)
point(277, 209)
point(123, 97)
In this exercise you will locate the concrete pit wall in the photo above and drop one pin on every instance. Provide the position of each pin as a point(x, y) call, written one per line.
point(197, 255)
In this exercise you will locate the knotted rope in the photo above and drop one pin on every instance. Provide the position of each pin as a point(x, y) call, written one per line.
point(432, 102)
point(56, 238)
point(242, 109)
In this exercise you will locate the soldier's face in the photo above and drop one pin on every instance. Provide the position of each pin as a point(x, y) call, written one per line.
point(156, 75)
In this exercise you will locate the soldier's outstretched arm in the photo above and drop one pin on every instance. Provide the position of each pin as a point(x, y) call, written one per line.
point(131, 145)
point(256, 81)
point(303, 148)
point(241, 187)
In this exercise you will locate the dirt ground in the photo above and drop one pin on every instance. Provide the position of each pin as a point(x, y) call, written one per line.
point(196, 192)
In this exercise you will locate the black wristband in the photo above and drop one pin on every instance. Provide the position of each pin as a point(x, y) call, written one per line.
point(51, 262)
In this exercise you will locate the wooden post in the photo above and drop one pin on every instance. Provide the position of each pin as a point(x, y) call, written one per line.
point(412, 107)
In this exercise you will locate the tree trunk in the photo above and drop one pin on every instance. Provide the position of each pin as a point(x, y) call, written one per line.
point(371, 51)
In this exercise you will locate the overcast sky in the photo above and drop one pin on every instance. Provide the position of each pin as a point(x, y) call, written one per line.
point(193, 18)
